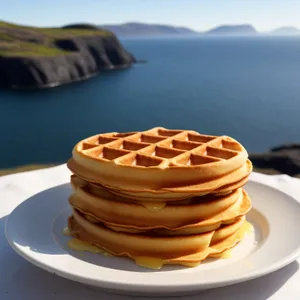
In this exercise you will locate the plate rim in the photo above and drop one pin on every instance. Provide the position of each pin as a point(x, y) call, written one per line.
point(161, 286)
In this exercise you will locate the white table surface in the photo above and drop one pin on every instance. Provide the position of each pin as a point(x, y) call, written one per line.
point(21, 280)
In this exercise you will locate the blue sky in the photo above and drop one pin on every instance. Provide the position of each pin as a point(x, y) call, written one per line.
point(197, 14)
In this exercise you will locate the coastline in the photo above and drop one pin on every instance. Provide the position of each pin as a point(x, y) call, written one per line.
point(61, 83)
point(25, 168)
point(43, 58)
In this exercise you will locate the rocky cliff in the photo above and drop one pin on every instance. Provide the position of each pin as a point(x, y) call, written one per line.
point(38, 58)
point(283, 159)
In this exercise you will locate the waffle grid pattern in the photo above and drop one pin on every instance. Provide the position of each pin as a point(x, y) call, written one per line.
point(161, 148)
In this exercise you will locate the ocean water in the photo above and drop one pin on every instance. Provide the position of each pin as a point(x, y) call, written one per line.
point(248, 88)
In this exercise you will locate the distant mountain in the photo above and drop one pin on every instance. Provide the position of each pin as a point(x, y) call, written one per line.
point(144, 29)
point(243, 29)
point(286, 30)
point(141, 29)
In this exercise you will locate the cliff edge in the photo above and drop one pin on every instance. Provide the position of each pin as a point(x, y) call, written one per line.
point(283, 159)
point(32, 57)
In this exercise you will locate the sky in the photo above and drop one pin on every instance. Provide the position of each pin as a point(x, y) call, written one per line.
point(199, 15)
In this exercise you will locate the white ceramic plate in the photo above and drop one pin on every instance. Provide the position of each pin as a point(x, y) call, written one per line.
point(34, 230)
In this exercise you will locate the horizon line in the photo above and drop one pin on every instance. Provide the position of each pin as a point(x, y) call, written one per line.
point(159, 24)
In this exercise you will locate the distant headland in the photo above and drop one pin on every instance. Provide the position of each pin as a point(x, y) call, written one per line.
point(286, 30)
point(135, 29)
point(142, 29)
point(244, 29)
point(32, 57)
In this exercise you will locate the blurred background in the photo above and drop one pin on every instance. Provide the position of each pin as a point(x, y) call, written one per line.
point(71, 69)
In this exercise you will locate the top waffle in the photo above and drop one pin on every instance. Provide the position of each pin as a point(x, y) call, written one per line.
point(156, 158)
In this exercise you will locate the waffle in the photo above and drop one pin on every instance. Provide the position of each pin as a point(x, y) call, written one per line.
point(221, 185)
point(159, 159)
point(159, 196)
point(181, 217)
point(193, 248)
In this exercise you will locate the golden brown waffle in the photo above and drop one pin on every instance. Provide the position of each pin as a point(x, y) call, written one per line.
point(221, 185)
point(224, 184)
point(170, 195)
point(176, 249)
point(158, 159)
point(190, 216)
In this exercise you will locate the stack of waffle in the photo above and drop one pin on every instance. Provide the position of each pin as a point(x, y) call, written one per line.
point(160, 196)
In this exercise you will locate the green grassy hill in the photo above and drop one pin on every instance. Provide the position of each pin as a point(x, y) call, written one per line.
point(16, 40)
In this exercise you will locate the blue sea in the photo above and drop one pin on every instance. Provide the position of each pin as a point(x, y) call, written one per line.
point(248, 88)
